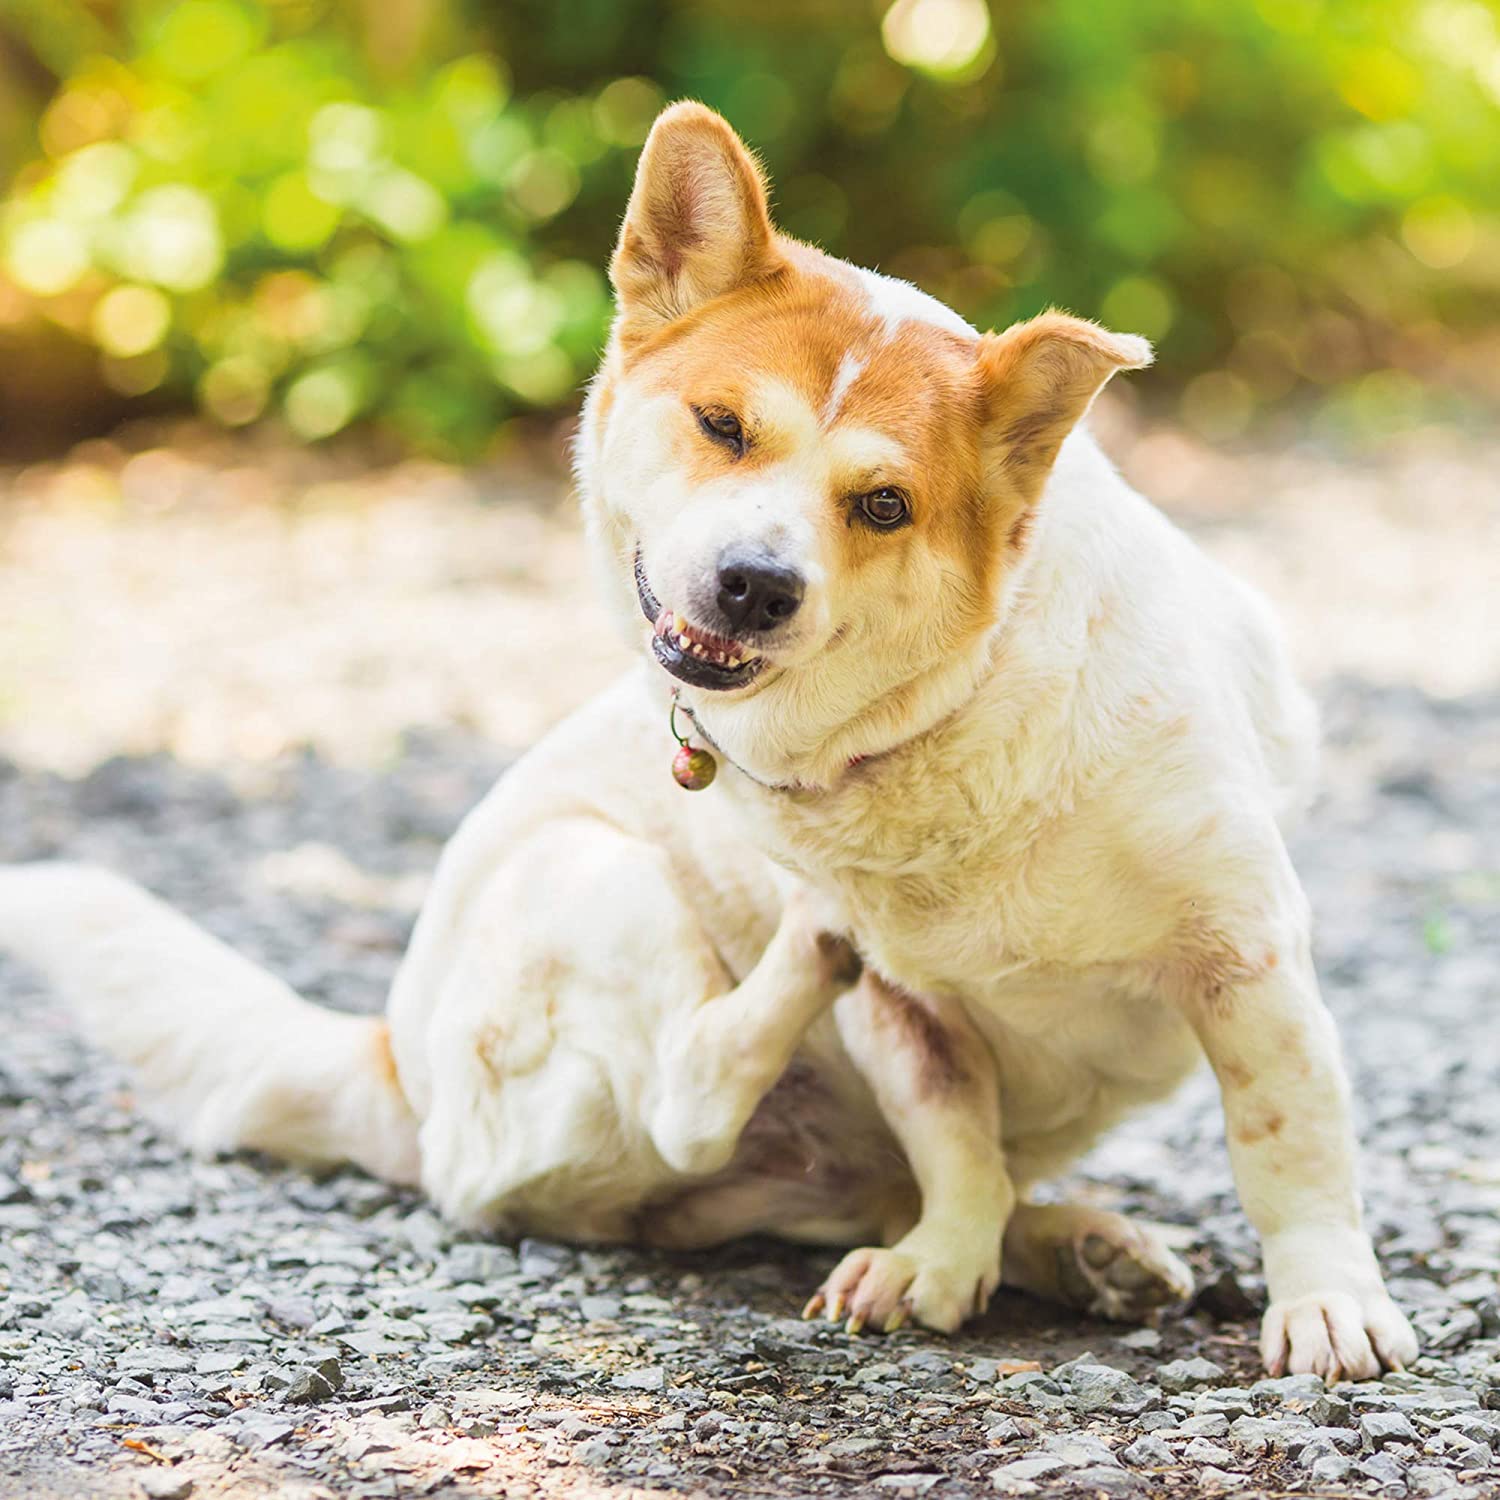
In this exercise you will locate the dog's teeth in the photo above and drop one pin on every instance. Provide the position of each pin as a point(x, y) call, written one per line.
point(734, 661)
point(699, 651)
point(684, 642)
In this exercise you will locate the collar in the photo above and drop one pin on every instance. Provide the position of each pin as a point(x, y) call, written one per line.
point(770, 786)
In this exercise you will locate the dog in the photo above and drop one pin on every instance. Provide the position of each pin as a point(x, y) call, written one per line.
point(993, 855)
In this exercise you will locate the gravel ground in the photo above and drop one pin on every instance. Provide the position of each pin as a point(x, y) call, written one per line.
point(173, 1328)
point(209, 607)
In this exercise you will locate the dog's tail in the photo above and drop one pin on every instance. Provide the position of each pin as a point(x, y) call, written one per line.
point(227, 1056)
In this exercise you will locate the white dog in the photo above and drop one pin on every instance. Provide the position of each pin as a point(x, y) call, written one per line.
point(981, 716)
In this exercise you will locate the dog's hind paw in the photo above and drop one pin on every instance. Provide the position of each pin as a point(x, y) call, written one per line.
point(1122, 1277)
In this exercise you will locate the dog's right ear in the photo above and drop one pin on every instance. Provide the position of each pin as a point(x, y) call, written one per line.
point(698, 224)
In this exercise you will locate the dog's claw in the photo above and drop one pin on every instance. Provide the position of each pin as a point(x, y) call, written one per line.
point(814, 1306)
point(897, 1319)
point(836, 1309)
point(856, 1324)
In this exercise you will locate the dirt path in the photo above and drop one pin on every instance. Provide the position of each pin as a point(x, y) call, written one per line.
point(170, 1327)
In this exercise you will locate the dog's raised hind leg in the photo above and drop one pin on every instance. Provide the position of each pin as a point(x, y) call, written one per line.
point(937, 1087)
point(718, 1064)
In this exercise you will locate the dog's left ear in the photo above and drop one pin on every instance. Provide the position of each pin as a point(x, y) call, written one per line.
point(1037, 380)
point(698, 224)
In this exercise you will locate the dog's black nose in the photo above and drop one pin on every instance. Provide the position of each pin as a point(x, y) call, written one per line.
point(756, 592)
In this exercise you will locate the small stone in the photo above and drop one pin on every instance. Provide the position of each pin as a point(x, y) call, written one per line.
point(1101, 1388)
point(1148, 1452)
point(1331, 1468)
point(908, 1484)
point(425, 1233)
point(263, 1432)
point(1036, 1466)
point(1329, 1411)
point(1202, 1451)
point(1188, 1374)
point(1013, 1484)
point(435, 1416)
point(1141, 1340)
point(1286, 1388)
point(1157, 1421)
point(475, 1261)
point(1378, 1428)
point(1107, 1481)
point(1211, 1478)
point(166, 1484)
point(1384, 1470)
point(1463, 1450)
point(458, 1327)
point(293, 1311)
point(852, 1447)
point(305, 1387)
point(132, 1407)
point(1429, 1479)
point(1269, 1434)
point(1213, 1424)
point(648, 1378)
point(543, 1260)
point(1081, 1450)
point(1461, 1328)
point(1315, 1449)
point(1227, 1399)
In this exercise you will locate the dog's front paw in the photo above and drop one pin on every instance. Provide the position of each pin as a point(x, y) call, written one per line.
point(884, 1289)
point(1337, 1335)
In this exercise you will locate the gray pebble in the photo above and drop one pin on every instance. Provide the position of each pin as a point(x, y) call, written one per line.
point(1188, 1374)
point(1379, 1429)
point(1148, 1452)
point(165, 1484)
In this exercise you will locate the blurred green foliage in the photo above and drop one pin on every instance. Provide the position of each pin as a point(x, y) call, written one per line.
point(398, 210)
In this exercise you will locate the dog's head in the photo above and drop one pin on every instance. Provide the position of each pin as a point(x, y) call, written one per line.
point(813, 481)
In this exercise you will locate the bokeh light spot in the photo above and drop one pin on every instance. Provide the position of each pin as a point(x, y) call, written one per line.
point(321, 402)
point(93, 182)
point(46, 256)
point(624, 110)
point(130, 320)
point(937, 36)
point(1139, 304)
point(171, 237)
point(406, 205)
point(201, 37)
point(235, 390)
point(543, 183)
point(294, 217)
point(1218, 405)
point(1439, 231)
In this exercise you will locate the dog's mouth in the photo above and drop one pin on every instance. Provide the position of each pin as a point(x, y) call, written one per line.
point(691, 654)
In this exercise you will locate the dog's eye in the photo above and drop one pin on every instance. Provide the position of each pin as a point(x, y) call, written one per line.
point(723, 427)
point(886, 507)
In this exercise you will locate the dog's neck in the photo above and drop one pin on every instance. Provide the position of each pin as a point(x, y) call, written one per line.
point(905, 712)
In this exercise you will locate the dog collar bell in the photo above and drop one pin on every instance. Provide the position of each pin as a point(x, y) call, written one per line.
point(692, 768)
